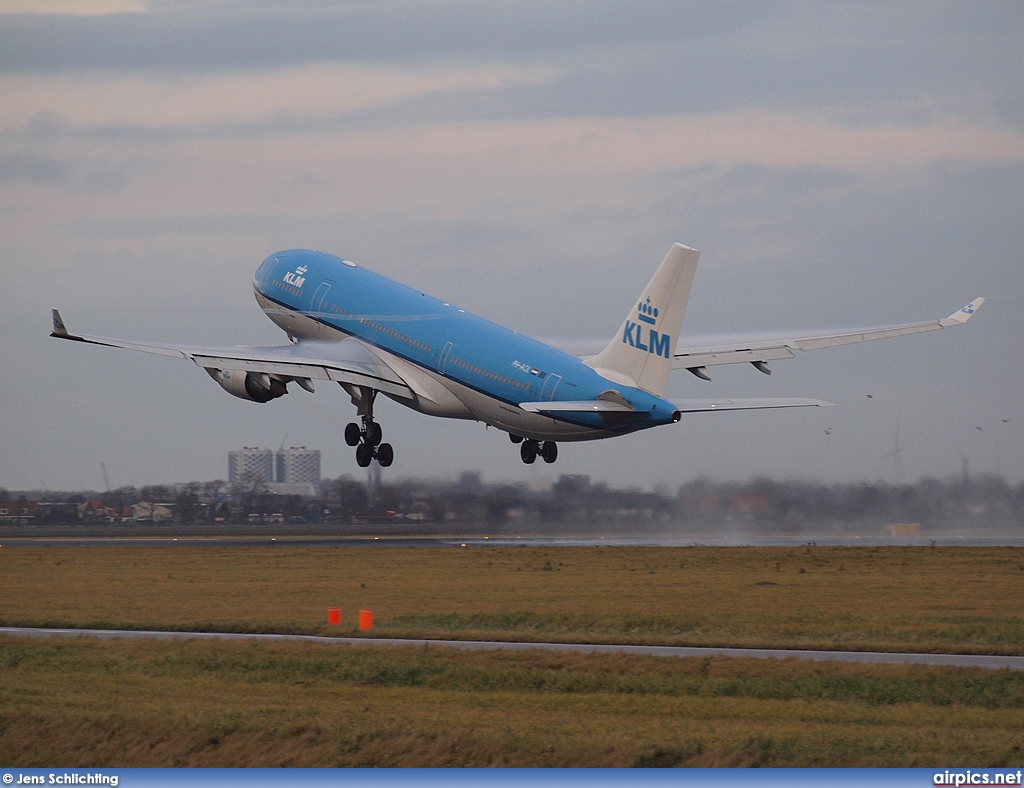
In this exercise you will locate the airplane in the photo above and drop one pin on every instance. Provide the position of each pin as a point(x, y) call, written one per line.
point(373, 336)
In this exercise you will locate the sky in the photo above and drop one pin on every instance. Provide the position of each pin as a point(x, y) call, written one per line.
point(838, 165)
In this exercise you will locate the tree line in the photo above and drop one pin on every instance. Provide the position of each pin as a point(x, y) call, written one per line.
point(759, 504)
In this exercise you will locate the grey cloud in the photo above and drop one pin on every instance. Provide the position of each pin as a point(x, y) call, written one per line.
point(782, 249)
point(916, 80)
point(948, 235)
point(136, 228)
point(191, 40)
point(33, 168)
point(41, 170)
point(907, 62)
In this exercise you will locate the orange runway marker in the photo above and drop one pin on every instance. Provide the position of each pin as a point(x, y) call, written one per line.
point(333, 615)
point(365, 619)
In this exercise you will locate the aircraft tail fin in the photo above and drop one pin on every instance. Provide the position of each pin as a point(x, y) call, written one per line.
point(640, 354)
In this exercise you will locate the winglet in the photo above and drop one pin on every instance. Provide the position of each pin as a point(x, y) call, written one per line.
point(963, 315)
point(58, 326)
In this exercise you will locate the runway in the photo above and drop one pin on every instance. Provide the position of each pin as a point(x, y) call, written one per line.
point(393, 539)
point(989, 661)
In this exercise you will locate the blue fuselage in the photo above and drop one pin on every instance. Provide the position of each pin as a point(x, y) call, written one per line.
point(317, 296)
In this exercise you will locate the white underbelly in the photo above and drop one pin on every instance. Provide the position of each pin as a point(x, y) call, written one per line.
point(437, 395)
point(510, 418)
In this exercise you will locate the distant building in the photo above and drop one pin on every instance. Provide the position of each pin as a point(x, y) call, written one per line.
point(144, 510)
point(95, 511)
point(298, 465)
point(253, 463)
point(540, 484)
point(21, 511)
point(302, 489)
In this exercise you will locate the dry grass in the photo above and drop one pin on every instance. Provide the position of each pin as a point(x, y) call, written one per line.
point(72, 702)
point(968, 600)
point(75, 702)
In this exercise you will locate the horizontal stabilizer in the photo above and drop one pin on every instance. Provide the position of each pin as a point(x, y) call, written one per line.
point(577, 406)
point(703, 405)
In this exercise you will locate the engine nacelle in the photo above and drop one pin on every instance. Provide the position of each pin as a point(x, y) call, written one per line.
point(253, 386)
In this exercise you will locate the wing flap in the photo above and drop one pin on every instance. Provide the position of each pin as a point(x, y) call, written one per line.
point(708, 357)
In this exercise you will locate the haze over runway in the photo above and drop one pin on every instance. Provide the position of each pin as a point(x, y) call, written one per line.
point(531, 162)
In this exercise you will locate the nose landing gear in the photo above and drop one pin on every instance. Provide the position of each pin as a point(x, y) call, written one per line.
point(530, 449)
point(367, 437)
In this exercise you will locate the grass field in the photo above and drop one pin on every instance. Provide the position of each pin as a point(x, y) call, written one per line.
point(72, 702)
point(968, 600)
point(66, 702)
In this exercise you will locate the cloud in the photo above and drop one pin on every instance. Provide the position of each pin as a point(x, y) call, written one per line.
point(297, 98)
point(327, 144)
point(912, 61)
point(33, 168)
point(72, 7)
point(189, 38)
point(649, 144)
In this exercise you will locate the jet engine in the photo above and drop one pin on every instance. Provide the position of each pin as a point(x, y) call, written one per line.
point(253, 386)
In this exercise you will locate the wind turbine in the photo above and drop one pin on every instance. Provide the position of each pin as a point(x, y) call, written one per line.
point(965, 464)
point(896, 452)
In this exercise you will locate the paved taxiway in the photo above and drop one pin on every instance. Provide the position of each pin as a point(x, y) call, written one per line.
point(394, 540)
point(954, 660)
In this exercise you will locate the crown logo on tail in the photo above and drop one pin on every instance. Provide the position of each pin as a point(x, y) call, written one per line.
point(647, 313)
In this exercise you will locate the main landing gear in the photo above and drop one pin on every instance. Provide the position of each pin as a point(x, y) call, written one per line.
point(367, 437)
point(530, 449)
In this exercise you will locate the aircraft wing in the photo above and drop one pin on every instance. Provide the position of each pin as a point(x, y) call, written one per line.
point(760, 352)
point(348, 361)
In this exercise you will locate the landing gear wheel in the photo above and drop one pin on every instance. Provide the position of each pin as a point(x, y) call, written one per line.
point(549, 451)
point(366, 437)
point(528, 451)
point(515, 438)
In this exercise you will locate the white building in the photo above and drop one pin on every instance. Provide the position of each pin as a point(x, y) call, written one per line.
point(303, 490)
point(252, 463)
point(298, 465)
